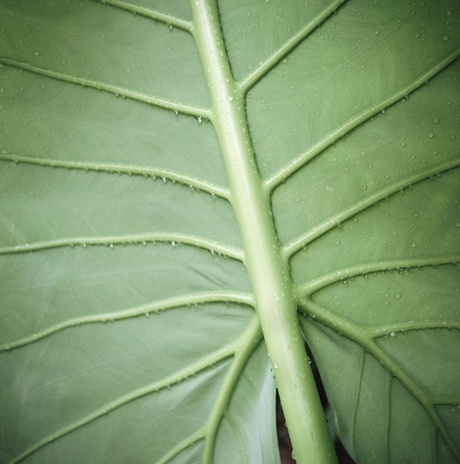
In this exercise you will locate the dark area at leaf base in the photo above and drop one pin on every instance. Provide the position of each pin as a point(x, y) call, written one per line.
point(285, 446)
point(284, 442)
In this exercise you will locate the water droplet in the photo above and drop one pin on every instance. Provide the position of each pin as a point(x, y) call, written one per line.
point(430, 135)
point(445, 38)
point(393, 334)
point(230, 98)
point(36, 53)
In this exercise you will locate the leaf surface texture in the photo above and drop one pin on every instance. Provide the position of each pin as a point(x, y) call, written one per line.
point(130, 327)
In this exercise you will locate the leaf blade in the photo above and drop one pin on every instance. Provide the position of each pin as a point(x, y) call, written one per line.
point(109, 236)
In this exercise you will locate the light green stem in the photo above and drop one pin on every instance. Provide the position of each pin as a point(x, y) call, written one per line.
point(268, 271)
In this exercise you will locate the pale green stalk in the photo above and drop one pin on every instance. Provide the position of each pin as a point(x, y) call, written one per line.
point(269, 273)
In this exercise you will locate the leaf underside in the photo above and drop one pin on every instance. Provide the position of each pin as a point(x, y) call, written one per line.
point(129, 328)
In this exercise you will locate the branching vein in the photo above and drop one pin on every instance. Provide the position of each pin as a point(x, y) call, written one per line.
point(315, 150)
point(134, 239)
point(324, 281)
point(212, 360)
point(148, 309)
point(287, 47)
point(362, 361)
point(113, 168)
point(183, 445)
point(112, 89)
point(364, 337)
point(152, 14)
point(248, 344)
point(300, 242)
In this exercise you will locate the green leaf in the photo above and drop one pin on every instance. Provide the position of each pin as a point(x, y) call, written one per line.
point(190, 191)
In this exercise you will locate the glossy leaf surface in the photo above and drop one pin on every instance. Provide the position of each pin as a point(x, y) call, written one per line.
point(139, 166)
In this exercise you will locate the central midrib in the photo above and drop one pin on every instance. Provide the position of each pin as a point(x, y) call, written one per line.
point(268, 271)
